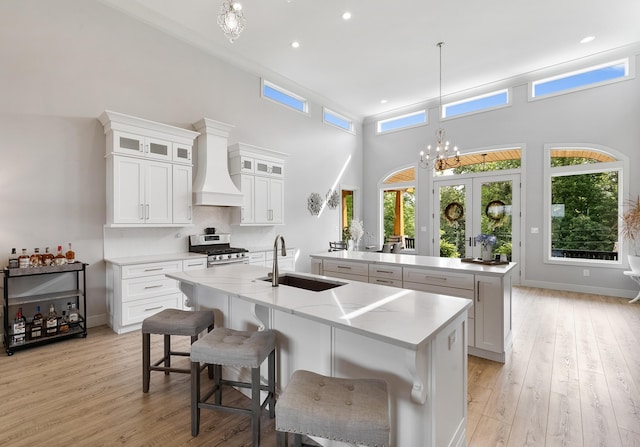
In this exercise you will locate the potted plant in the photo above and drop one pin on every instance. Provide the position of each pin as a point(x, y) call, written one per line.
point(630, 230)
point(356, 230)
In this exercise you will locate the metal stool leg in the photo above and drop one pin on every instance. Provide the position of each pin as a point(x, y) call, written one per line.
point(281, 439)
point(167, 353)
point(255, 405)
point(146, 362)
point(272, 384)
point(195, 398)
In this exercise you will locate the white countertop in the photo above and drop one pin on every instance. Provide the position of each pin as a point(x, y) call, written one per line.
point(154, 258)
point(409, 260)
point(401, 317)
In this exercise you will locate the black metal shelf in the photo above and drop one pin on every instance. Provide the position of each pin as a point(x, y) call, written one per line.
point(77, 294)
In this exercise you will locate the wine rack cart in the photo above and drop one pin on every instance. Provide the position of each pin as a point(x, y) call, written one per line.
point(44, 299)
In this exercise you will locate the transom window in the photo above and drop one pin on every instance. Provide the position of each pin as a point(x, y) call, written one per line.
point(284, 97)
point(402, 122)
point(337, 120)
point(581, 79)
point(476, 104)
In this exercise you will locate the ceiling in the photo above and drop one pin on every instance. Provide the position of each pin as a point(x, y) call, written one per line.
point(387, 50)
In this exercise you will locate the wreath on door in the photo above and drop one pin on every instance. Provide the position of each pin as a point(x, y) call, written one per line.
point(453, 213)
point(496, 213)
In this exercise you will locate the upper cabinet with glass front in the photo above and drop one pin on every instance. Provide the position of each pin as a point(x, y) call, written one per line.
point(148, 172)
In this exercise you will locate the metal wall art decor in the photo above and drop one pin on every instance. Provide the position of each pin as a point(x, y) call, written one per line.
point(314, 203)
point(333, 199)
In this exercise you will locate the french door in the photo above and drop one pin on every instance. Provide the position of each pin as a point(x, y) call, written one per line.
point(476, 205)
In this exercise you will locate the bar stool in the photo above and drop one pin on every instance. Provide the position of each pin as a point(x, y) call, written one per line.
point(170, 322)
point(354, 411)
point(229, 347)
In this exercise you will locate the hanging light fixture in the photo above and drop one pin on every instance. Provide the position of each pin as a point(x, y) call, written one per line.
point(231, 19)
point(445, 157)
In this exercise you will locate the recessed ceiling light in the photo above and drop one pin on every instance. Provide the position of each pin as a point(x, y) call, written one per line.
point(295, 44)
point(588, 39)
point(346, 15)
point(383, 101)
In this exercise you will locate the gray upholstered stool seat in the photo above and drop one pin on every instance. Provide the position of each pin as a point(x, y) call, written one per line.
point(229, 347)
point(170, 322)
point(348, 410)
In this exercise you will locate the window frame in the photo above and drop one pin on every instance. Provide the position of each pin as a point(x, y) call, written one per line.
point(446, 106)
point(381, 122)
point(629, 74)
point(326, 111)
point(621, 165)
point(304, 101)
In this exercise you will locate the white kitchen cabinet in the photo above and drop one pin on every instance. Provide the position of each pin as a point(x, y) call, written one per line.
point(257, 258)
point(140, 145)
point(386, 275)
point(488, 320)
point(268, 201)
point(259, 174)
point(141, 191)
point(149, 178)
point(182, 194)
point(356, 271)
point(492, 315)
point(140, 289)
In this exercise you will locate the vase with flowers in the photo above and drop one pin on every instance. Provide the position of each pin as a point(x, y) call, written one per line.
point(487, 241)
point(630, 230)
point(356, 230)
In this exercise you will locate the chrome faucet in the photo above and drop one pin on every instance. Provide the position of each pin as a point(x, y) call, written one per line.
point(274, 270)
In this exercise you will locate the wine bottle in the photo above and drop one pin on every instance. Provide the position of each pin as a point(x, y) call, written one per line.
point(52, 322)
point(73, 315)
point(47, 258)
point(36, 324)
point(63, 324)
point(70, 255)
point(59, 258)
point(35, 260)
point(23, 259)
point(19, 328)
point(14, 262)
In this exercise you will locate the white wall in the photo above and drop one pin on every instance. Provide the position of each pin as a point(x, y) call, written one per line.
point(606, 116)
point(64, 63)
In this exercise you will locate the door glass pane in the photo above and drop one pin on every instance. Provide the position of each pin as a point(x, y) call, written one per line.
point(183, 153)
point(160, 149)
point(130, 143)
point(453, 221)
point(496, 218)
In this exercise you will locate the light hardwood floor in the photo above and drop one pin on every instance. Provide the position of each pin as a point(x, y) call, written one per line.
point(572, 379)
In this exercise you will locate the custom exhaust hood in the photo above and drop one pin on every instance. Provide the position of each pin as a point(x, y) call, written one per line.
point(213, 185)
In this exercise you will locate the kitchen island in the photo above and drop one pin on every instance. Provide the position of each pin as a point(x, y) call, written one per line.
point(415, 341)
point(487, 285)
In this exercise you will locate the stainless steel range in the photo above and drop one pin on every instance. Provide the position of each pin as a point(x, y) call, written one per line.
point(218, 249)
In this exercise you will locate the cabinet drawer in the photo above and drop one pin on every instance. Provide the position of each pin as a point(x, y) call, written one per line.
point(438, 278)
point(136, 311)
point(386, 282)
point(385, 271)
point(146, 287)
point(194, 264)
point(156, 268)
point(353, 268)
point(462, 293)
point(347, 276)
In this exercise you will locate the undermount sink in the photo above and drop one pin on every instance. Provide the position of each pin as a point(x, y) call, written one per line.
point(303, 282)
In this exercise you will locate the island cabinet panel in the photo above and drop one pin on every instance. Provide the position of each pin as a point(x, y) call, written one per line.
point(488, 288)
point(356, 271)
point(438, 278)
point(386, 275)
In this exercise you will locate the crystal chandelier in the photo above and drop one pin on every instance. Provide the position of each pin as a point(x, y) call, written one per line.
point(231, 19)
point(445, 157)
